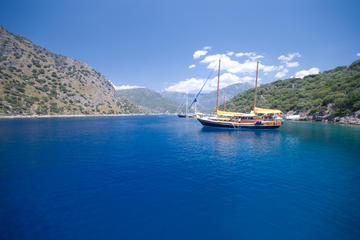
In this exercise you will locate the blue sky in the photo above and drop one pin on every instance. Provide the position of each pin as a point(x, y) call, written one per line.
point(152, 43)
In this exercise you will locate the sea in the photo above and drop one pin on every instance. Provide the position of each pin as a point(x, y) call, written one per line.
point(163, 177)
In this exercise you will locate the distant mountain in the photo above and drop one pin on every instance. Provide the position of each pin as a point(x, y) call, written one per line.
point(331, 94)
point(207, 101)
point(148, 100)
point(35, 81)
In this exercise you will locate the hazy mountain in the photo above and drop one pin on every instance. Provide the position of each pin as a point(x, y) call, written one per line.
point(207, 101)
point(34, 80)
point(148, 100)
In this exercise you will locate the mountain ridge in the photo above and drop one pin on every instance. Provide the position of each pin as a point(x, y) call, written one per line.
point(35, 81)
point(149, 101)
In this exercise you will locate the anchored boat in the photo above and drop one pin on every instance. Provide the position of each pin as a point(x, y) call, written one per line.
point(259, 118)
point(186, 114)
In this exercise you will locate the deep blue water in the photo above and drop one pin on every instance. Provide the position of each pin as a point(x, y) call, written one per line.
point(169, 178)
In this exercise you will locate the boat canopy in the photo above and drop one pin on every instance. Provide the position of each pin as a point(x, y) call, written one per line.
point(266, 111)
point(248, 115)
point(228, 114)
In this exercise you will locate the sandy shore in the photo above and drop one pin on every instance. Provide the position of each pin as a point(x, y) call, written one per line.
point(79, 115)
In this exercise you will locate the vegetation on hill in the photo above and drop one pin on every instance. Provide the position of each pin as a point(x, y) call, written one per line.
point(148, 100)
point(35, 81)
point(335, 92)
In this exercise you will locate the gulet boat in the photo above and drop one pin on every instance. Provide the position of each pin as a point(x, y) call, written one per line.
point(259, 118)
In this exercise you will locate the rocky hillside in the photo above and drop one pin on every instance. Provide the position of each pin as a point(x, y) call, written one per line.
point(148, 100)
point(330, 95)
point(35, 81)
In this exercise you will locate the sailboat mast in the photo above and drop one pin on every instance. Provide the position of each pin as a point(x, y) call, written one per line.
point(217, 96)
point(257, 70)
point(186, 110)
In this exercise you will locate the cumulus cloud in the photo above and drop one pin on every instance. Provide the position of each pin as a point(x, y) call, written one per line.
point(199, 53)
point(247, 54)
point(236, 70)
point(192, 85)
point(303, 73)
point(358, 54)
point(281, 73)
point(252, 55)
point(292, 64)
point(125, 87)
point(232, 66)
point(289, 57)
point(189, 85)
point(256, 57)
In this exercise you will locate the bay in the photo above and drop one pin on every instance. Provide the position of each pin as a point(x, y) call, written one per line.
point(161, 177)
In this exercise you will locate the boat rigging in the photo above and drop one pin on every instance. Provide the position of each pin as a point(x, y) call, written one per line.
point(259, 118)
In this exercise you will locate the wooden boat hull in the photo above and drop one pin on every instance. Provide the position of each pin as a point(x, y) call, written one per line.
point(212, 123)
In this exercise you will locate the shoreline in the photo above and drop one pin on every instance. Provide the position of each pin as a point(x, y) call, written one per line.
point(145, 114)
point(81, 115)
point(325, 122)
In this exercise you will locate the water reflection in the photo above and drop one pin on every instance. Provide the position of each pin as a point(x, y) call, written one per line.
point(232, 143)
point(254, 137)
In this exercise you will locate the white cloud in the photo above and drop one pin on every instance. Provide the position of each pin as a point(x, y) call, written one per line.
point(292, 64)
point(358, 54)
point(281, 74)
point(252, 55)
point(247, 54)
point(256, 57)
point(192, 85)
point(189, 85)
point(232, 66)
point(226, 62)
point(207, 47)
point(232, 71)
point(303, 73)
point(270, 68)
point(124, 87)
point(289, 57)
point(192, 66)
point(199, 53)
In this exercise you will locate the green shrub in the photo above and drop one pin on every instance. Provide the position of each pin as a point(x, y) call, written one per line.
point(53, 93)
point(36, 63)
point(45, 88)
point(54, 108)
point(42, 109)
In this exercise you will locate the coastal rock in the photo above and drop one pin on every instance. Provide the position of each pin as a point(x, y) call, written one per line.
point(353, 118)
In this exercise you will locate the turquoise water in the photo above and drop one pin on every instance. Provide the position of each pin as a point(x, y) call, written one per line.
point(170, 178)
